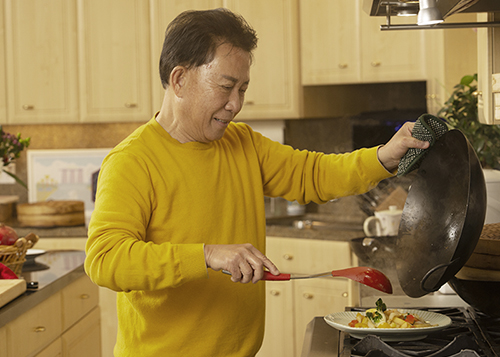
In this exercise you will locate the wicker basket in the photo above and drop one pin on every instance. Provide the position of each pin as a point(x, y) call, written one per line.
point(14, 256)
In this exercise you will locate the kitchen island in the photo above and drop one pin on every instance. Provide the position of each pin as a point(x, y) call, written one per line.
point(60, 317)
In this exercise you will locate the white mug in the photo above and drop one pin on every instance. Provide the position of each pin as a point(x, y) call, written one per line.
point(384, 223)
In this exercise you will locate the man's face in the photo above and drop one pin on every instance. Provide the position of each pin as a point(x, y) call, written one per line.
point(213, 94)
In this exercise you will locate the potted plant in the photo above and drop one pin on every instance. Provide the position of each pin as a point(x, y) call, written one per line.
point(460, 112)
point(10, 149)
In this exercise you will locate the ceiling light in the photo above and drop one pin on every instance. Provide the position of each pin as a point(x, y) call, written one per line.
point(429, 14)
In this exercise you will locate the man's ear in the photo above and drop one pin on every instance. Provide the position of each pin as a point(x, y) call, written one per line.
point(178, 79)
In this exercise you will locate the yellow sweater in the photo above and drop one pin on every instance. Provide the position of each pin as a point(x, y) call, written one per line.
point(159, 201)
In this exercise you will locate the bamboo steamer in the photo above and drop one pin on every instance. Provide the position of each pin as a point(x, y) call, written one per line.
point(51, 214)
point(486, 255)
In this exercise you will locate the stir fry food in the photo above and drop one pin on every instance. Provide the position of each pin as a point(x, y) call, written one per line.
point(381, 317)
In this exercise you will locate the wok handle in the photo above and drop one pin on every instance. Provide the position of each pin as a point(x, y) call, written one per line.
point(432, 271)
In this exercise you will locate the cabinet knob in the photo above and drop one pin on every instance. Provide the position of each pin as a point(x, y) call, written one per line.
point(376, 64)
point(28, 107)
point(287, 256)
point(84, 296)
point(345, 294)
point(39, 329)
point(274, 292)
point(130, 105)
point(343, 65)
point(477, 93)
point(308, 296)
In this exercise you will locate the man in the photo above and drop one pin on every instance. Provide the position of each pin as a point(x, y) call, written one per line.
point(183, 197)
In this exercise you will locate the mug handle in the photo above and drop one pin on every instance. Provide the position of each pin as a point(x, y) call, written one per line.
point(370, 222)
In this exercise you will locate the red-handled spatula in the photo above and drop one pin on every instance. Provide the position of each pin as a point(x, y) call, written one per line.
point(368, 276)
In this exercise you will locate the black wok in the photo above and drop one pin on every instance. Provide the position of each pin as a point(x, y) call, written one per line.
point(443, 216)
point(482, 295)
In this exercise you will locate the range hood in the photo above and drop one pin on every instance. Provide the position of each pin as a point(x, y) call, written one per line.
point(411, 7)
point(389, 8)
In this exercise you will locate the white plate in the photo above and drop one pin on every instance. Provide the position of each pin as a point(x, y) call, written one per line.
point(35, 252)
point(340, 320)
point(31, 254)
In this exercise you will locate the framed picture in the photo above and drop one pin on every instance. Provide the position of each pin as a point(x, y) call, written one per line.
point(64, 175)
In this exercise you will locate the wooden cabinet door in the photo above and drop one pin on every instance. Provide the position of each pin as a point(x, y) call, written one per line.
point(317, 297)
point(329, 33)
point(3, 78)
point(52, 350)
point(3, 337)
point(390, 56)
point(279, 321)
point(41, 61)
point(84, 338)
point(35, 329)
point(78, 299)
point(115, 78)
point(162, 13)
point(274, 87)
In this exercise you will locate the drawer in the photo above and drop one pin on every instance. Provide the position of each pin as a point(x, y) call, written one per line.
point(3, 337)
point(36, 328)
point(78, 299)
point(308, 256)
point(52, 350)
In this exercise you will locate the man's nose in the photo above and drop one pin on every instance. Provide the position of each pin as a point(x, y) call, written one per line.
point(235, 102)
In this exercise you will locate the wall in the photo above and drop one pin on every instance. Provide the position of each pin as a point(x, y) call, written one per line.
point(327, 128)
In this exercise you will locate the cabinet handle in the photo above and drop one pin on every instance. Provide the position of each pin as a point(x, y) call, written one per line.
point(28, 107)
point(250, 102)
point(308, 296)
point(84, 296)
point(343, 65)
point(345, 294)
point(275, 292)
point(130, 105)
point(287, 256)
point(376, 64)
point(431, 96)
point(39, 329)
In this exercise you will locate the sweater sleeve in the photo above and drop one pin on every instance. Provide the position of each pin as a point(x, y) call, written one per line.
point(308, 176)
point(120, 255)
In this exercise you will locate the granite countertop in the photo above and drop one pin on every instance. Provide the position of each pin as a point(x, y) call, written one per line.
point(58, 269)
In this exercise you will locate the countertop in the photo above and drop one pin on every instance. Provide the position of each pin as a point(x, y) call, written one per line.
point(277, 226)
point(60, 268)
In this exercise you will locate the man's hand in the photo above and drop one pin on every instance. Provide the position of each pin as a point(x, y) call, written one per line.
point(243, 261)
point(391, 153)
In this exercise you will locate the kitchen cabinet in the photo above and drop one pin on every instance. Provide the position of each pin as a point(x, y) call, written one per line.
point(52, 350)
point(162, 13)
point(447, 63)
point(107, 297)
point(3, 92)
point(274, 91)
point(3, 337)
point(114, 55)
point(68, 321)
point(41, 61)
point(291, 305)
point(341, 44)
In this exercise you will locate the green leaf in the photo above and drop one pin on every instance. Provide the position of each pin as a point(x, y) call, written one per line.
point(467, 80)
point(18, 180)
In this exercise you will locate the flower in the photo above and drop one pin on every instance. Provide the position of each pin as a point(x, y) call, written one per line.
point(10, 149)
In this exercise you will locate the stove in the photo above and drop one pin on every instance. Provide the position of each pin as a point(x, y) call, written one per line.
point(471, 334)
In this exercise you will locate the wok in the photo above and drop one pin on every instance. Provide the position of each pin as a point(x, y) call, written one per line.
point(443, 216)
point(482, 295)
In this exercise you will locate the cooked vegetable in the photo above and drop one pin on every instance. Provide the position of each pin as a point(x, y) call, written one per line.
point(380, 317)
